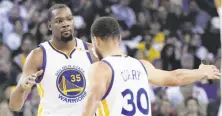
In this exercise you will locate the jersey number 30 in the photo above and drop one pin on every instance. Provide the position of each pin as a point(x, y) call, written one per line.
point(132, 104)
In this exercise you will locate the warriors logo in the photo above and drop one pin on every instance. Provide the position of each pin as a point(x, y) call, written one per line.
point(71, 84)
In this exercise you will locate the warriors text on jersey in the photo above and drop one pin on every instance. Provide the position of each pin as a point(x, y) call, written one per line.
point(62, 88)
point(127, 94)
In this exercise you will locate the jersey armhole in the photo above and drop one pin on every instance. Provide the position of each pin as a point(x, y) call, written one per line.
point(111, 82)
point(38, 80)
point(143, 67)
point(88, 54)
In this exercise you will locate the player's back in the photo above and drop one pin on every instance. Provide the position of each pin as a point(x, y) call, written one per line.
point(128, 90)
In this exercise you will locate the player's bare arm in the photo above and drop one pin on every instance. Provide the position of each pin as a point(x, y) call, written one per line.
point(100, 75)
point(180, 76)
point(94, 58)
point(31, 71)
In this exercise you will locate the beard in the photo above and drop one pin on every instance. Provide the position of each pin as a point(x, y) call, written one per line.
point(67, 39)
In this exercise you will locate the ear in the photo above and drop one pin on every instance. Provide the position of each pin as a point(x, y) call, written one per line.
point(49, 26)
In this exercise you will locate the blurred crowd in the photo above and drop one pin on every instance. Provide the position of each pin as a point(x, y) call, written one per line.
point(171, 34)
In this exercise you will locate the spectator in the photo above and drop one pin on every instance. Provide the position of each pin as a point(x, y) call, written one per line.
point(14, 39)
point(87, 11)
point(166, 109)
point(146, 50)
point(42, 33)
point(5, 65)
point(28, 43)
point(198, 16)
point(178, 94)
point(123, 12)
point(198, 51)
point(192, 107)
point(8, 26)
point(169, 61)
point(211, 39)
point(174, 19)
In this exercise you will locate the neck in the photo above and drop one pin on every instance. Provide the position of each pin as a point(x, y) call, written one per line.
point(61, 45)
point(111, 51)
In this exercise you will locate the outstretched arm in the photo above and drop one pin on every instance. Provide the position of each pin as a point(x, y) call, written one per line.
point(27, 80)
point(100, 75)
point(180, 76)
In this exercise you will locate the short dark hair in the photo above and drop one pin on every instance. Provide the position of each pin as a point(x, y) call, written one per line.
point(105, 27)
point(191, 98)
point(55, 6)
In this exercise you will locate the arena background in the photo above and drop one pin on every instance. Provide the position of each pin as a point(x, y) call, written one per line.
point(171, 34)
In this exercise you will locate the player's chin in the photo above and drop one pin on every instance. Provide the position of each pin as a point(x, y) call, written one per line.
point(67, 37)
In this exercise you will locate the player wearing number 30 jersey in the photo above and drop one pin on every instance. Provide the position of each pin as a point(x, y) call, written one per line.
point(118, 84)
point(127, 93)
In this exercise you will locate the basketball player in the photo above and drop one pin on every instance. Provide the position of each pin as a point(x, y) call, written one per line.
point(59, 67)
point(119, 84)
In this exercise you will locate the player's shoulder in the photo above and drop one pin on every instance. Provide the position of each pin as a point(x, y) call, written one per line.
point(100, 65)
point(35, 58)
point(147, 64)
point(37, 52)
point(101, 68)
point(36, 55)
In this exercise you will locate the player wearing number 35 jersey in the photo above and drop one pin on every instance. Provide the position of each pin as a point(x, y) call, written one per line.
point(118, 84)
point(58, 67)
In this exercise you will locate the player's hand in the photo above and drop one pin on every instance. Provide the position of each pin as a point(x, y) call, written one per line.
point(210, 71)
point(27, 82)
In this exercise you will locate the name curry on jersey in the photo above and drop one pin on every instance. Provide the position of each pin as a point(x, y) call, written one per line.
point(130, 75)
point(71, 84)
